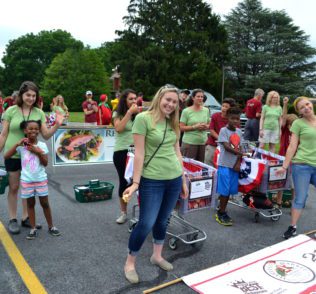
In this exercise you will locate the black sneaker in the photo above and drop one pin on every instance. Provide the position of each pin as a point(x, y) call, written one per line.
point(13, 226)
point(291, 232)
point(223, 219)
point(32, 234)
point(54, 231)
point(26, 224)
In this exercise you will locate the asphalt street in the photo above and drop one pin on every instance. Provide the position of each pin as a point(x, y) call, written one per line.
point(89, 255)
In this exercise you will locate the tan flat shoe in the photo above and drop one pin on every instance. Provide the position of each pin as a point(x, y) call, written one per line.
point(163, 264)
point(132, 276)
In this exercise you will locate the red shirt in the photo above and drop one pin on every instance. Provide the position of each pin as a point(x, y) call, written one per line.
point(90, 118)
point(253, 106)
point(284, 140)
point(217, 122)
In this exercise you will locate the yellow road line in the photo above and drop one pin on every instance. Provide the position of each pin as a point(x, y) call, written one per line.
point(28, 276)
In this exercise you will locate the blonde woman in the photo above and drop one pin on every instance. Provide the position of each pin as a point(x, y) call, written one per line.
point(61, 106)
point(158, 176)
point(302, 153)
point(271, 121)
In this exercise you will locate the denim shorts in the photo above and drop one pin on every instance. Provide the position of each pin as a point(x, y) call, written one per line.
point(303, 175)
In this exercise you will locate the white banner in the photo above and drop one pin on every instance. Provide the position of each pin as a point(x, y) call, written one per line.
point(287, 267)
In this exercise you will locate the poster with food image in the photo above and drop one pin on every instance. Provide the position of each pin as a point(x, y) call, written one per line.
point(81, 146)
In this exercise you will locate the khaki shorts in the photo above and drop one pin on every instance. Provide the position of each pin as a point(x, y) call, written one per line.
point(270, 136)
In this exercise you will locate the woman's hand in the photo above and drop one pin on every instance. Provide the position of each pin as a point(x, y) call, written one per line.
point(133, 109)
point(261, 133)
point(128, 193)
point(59, 118)
point(285, 100)
point(185, 190)
point(281, 171)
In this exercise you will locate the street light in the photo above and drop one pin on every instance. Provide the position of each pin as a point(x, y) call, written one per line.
point(223, 79)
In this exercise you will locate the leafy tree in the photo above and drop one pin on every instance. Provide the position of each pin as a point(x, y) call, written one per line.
point(178, 42)
point(27, 57)
point(71, 74)
point(267, 50)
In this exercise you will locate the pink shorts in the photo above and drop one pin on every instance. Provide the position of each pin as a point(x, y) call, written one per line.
point(33, 189)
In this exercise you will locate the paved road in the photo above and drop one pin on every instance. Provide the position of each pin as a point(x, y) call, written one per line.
point(89, 256)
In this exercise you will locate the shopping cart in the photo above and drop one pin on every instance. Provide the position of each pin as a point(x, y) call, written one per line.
point(263, 167)
point(201, 181)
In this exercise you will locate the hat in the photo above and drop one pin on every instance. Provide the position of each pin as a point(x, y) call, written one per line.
point(103, 97)
point(89, 93)
point(186, 91)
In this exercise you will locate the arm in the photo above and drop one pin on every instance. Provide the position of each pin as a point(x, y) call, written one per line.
point(120, 124)
point(139, 141)
point(185, 128)
point(284, 112)
point(87, 112)
point(4, 133)
point(232, 150)
point(43, 158)
point(185, 191)
point(13, 150)
point(261, 125)
point(291, 150)
point(47, 133)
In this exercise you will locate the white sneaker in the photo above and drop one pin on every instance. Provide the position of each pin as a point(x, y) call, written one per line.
point(122, 218)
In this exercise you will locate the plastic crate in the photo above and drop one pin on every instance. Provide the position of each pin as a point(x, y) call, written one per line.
point(4, 179)
point(94, 191)
point(286, 198)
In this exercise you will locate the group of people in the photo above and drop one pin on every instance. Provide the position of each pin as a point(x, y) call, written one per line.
point(158, 173)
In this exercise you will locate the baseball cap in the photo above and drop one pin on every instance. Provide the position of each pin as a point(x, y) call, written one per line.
point(89, 93)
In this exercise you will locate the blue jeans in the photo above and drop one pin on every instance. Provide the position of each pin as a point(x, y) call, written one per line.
point(157, 199)
point(303, 175)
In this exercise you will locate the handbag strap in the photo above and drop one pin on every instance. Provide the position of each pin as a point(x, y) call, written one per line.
point(163, 139)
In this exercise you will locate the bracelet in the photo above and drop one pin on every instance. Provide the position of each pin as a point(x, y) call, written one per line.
point(136, 183)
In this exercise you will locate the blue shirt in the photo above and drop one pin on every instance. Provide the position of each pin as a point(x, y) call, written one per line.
point(32, 169)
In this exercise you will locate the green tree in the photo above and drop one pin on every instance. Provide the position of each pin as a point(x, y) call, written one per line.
point(71, 74)
point(178, 42)
point(267, 50)
point(27, 57)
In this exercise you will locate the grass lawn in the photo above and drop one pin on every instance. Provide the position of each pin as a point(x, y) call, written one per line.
point(76, 117)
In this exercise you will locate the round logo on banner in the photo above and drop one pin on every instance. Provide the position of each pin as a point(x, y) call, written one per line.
point(288, 271)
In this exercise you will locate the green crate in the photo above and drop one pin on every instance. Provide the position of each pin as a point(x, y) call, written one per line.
point(286, 198)
point(93, 192)
point(4, 181)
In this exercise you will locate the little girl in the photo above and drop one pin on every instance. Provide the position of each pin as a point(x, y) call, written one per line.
point(33, 175)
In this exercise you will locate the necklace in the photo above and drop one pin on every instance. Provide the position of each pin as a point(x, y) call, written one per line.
point(28, 114)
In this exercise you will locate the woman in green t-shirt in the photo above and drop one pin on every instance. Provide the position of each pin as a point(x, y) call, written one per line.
point(123, 119)
point(157, 175)
point(271, 121)
point(194, 122)
point(25, 109)
point(302, 153)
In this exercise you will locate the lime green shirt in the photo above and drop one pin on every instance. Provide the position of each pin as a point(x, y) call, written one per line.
point(190, 117)
point(59, 109)
point(165, 164)
point(123, 139)
point(271, 117)
point(306, 150)
point(14, 117)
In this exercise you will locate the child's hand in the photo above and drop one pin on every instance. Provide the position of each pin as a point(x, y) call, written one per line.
point(23, 142)
point(34, 149)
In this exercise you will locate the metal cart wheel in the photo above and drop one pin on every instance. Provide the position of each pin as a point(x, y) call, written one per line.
point(257, 217)
point(173, 243)
point(275, 218)
point(131, 225)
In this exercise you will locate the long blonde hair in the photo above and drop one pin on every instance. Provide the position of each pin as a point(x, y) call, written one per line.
point(270, 95)
point(155, 111)
point(62, 103)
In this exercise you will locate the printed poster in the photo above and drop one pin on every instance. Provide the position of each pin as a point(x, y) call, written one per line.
point(78, 146)
point(287, 267)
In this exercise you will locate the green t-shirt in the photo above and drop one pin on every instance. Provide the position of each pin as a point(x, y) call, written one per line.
point(190, 117)
point(165, 164)
point(271, 117)
point(14, 116)
point(306, 150)
point(59, 109)
point(123, 139)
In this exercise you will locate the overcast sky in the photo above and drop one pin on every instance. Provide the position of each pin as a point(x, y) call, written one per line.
point(95, 21)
